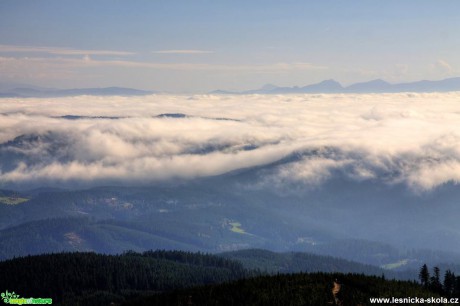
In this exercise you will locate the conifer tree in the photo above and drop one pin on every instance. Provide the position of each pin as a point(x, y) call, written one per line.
point(435, 280)
point(424, 276)
point(449, 283)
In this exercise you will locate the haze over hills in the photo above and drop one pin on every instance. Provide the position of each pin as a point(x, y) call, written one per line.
point(349, 176)
point(364, 222)
point(144, 162)
point(15, 90)
point(373, 86)
point(27, 91)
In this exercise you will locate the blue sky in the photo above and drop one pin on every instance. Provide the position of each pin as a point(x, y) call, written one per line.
point(197, 46)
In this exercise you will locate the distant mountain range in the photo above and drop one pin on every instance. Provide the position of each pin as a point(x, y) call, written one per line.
point(374, 86)
point(37, 92)
point(326, 86)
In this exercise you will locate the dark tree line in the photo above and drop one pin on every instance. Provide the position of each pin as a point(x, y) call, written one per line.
point(171, 277)
point(95, 279)
point(448, 287)
point(299, 289)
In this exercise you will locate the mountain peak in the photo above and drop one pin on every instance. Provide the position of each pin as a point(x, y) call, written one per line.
point(268, 87)
point(323, 87)
point(329, 81)
point(377, 85)
point(378, 81)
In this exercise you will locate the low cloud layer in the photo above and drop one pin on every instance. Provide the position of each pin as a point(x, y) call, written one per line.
point(411, 139)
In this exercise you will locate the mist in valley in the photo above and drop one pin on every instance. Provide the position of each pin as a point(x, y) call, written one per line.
point(334, 174)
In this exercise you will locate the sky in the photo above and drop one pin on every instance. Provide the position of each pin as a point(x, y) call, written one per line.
point(202, 45)
point(410, 139)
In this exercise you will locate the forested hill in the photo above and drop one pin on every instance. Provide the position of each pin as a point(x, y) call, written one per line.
point(290, 290)
point(171, 277)
point(96, 279)
point(292, 262)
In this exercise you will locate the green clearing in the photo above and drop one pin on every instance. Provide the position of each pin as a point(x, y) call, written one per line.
point(395, 265)
point(236, 228)
point(12, 200)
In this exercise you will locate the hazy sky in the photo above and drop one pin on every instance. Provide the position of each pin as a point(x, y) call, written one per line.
point(196, 46)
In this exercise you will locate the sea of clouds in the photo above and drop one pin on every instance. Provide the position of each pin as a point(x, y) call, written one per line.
point(408, 138)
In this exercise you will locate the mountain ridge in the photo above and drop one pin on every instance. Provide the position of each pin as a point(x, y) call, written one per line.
point(372, 86)
point(28, 91)
point(325, 86)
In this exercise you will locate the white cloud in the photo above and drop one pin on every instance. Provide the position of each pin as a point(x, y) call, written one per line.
point(404, 138)
point(312, 171)
point(60, 51)
point(444, 66)
point(68, 67)
point(183, 52)
point(48, 63)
